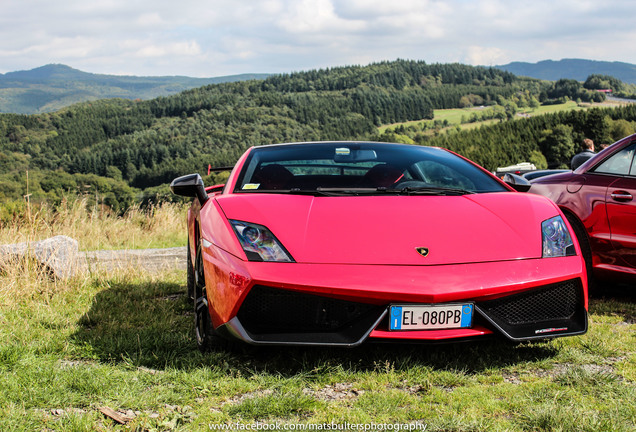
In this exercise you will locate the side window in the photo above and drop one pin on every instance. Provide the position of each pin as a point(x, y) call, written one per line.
point(621, 163)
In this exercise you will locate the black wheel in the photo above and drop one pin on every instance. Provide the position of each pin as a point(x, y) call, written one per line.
point(202, 323)
point(586, 250)
point(189, 273)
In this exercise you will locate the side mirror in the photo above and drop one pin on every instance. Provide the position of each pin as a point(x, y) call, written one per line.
point(190, 185)
point(518, 183)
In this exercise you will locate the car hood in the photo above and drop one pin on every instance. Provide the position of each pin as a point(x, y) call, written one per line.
point(388, 230)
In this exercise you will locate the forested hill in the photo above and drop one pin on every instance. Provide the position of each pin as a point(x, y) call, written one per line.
point(116, 149)
point(52, 87)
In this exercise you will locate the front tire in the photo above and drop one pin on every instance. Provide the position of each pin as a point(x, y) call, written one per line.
point(202, 323)
point(586, 251)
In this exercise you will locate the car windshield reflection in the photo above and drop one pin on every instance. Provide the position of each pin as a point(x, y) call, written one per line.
point(341, 168)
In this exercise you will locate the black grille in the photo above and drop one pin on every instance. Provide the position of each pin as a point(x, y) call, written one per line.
point(549, 311)
point(270, 310)
point(554, 302)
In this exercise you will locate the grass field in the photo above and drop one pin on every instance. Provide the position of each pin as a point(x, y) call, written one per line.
point(72, 350)
point(454, 116)
point(96, 228)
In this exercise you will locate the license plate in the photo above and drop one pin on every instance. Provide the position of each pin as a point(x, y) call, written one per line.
point(431, 317)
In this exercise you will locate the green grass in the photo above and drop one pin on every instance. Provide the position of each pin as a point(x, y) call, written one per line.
point(125, 341)
point(68, 349)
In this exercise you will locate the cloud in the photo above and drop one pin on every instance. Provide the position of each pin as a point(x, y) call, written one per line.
point(221, 37)
point(150, 20)
point(178, 49)
point(485, 56)
point(310, 16)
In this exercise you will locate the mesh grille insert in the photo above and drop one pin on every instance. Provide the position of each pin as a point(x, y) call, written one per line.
point(559, 301)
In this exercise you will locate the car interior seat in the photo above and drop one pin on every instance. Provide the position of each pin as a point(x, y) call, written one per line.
point(381, 175)
point(272, 177)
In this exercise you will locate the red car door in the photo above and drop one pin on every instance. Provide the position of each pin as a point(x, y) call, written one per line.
point(620, 200)
point(621, 214)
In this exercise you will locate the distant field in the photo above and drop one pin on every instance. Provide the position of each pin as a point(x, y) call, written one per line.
point(454, 116)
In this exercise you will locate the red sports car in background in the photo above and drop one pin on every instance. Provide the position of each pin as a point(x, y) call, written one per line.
point(337, 243)
point(598, 200)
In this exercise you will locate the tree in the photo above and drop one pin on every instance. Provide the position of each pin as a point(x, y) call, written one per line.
point(565, 88)
point(597, 126)
point(538, 159)
point(620, 129)
point(601, 82)
point(464, 102)
point(113, 172)
point(534, 103)
point(557, 145)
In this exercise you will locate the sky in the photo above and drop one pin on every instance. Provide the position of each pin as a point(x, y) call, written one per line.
point(210, 38)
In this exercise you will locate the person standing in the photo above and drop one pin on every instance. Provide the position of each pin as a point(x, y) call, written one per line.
point(581, 157)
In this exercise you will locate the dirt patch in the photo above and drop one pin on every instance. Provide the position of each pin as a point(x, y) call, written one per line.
point(338, 391)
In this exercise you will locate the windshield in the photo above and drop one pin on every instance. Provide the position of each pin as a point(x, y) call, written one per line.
point(360, 168)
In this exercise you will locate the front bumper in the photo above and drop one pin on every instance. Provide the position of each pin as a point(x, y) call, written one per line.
point(345, 305)
point(271, 316)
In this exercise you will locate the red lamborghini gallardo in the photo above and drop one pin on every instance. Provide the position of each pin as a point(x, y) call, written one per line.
point(338, 243)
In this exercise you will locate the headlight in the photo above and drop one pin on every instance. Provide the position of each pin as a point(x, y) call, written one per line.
point(557, 241)
point(259, 243)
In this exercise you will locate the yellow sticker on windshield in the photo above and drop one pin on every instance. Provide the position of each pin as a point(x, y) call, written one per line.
point(251, 186)
point(343, 151)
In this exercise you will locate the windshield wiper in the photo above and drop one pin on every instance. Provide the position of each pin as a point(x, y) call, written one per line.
point(422, 190)
point(330, 191)
point(335, 191)
point(293, 191)
point(430, 190)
